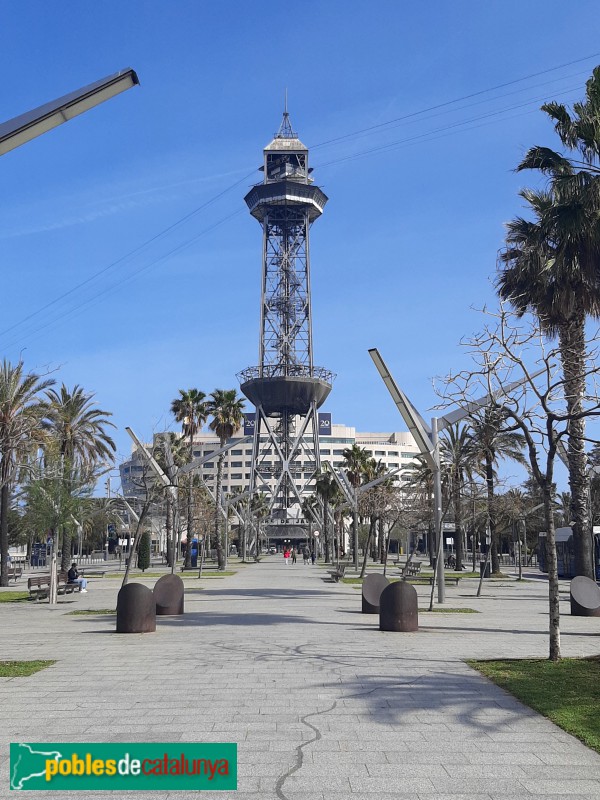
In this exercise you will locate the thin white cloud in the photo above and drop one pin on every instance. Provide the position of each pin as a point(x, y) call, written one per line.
point(116, 203)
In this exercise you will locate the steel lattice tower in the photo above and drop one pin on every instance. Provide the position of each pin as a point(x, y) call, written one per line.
point(286, 388)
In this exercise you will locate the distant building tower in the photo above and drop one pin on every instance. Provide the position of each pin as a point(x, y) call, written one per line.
point(286, 388)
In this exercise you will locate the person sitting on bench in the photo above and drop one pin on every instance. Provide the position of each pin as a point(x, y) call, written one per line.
point(73, 577)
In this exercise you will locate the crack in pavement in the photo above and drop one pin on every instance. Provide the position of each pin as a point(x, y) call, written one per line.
point(299, 749)
point(299, 754)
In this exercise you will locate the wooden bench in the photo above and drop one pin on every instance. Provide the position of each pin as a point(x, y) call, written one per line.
point(337, 573)
point(411, 570)
point(15, 573)
point(447, 579)
point(39, 586)
point(92, 573)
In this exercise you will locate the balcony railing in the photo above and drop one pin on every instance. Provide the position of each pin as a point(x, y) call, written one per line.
point(280, 371)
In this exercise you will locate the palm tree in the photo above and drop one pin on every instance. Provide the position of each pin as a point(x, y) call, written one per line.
point(77, 428)
point(328, 491)
point(226, 409)
point(259, 510)
point(458, 456)
point(355, 464)
point(191, 410)
point(421, 485)
point(373, 502)
point(551, 268)
point(563, 509)
point(491, 442)
point(170, 465)
point(310, 512)
point(21, 413)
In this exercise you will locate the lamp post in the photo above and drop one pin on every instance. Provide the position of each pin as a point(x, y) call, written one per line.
point(427, 440)
point(19, 130)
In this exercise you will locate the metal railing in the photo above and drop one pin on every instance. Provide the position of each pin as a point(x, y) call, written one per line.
point(282, 371)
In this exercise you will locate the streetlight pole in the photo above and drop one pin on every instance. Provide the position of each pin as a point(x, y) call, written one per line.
point(19, 130)
point(437, 511)
point(428, 442)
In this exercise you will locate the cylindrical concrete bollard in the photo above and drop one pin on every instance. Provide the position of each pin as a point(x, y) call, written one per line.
point(399, 608)
point(585, 597)
point(168, 595)
point(372, 587)
point(136, 609)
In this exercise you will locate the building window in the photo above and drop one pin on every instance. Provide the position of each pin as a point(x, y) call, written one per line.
point(379, 452)
point(393, 454)
point(236, 463)
point(338, 452)
point(236, 452)
point(248, 464)
point(325, 452)
point(393, 466)
point(209, 465)
point(408, 455)
point(236, 476)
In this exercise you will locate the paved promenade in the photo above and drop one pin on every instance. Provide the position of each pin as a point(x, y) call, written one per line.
point(323, 705)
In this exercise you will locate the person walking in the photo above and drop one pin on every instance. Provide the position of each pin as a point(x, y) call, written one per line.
point(313, 557)
point(305, 555)
point(293, 555)
point(286, 555)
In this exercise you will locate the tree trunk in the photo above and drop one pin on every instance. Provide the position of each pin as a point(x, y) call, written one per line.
point(190, 510)
point(169, 532)
point(65, 559)
point(218, 539)
point(355, 538)
point(136, 539)
point(553, 597)
point(326, 530)
point(491, 509)
point(4, 506)
point(573, 357)
point(430, 542)
point(367, 546)
point(458, 542)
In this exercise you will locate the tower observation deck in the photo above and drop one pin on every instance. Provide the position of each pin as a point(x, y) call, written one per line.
point(285, 387)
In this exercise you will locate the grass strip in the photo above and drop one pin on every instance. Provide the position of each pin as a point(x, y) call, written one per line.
point(22, 669)
point(13, 597)
point(567, 691)
point(188, 575)
point(90, 611)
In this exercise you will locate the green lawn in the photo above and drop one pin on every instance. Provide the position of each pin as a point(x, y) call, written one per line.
point(567, 692)
point(22, 669)
point(13, 597)
point(87, 612)
point(188, 575)
point(423, 577)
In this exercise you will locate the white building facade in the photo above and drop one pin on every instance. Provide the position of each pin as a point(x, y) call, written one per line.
point(396, 451)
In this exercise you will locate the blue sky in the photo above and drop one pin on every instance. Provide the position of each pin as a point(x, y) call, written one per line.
point(407, 244)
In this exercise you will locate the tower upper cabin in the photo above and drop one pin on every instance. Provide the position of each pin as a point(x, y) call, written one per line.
point(286, 156)
point(287, 180)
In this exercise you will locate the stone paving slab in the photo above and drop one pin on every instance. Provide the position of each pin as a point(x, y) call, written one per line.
point(321, 704)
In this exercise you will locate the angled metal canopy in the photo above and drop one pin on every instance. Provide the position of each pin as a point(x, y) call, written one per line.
point(27, 126)
point(428, 442)
point(420, 431)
